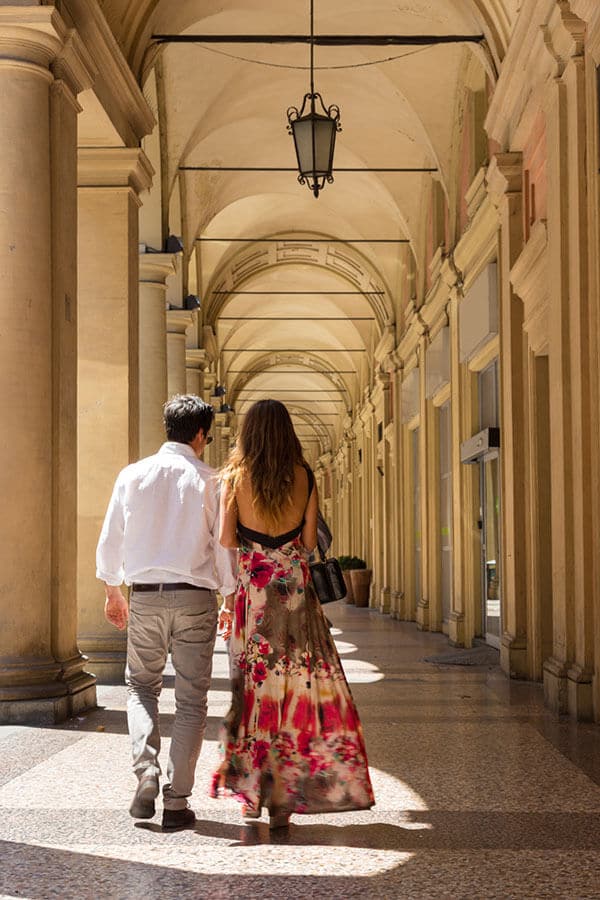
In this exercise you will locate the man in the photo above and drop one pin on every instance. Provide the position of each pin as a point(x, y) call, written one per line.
point(161, 536)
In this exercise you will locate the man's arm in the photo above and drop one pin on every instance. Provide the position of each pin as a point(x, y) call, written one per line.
point(109, 559)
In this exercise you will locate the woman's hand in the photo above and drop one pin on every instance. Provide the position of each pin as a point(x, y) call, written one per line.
point(225, 625)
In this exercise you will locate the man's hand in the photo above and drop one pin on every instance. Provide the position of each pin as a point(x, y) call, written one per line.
point(116, 610)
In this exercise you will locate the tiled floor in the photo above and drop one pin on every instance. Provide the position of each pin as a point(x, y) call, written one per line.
point(480, 794)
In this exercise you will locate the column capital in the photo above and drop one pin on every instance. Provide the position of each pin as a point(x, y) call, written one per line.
point(38, 36)
point(504, 175)
point(179, 320)
point(195, 358)
point(110, 167)
point(564, 36)
point(155, 268)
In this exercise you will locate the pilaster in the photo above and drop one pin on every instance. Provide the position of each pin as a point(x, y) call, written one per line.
point(178, 322)
point(155, 268)
point(108, 374)
point(505, 186)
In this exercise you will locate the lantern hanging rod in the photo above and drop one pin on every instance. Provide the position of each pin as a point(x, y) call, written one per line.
point(324, 40)
point(397, 171)
point(287, 240)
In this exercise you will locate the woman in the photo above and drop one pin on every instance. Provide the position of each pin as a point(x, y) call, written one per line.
point(293, 741)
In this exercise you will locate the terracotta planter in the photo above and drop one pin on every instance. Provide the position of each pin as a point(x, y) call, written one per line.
point(348, 583)
point(361, 581)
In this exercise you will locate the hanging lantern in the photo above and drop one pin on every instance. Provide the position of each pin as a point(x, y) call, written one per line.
point(314, 127)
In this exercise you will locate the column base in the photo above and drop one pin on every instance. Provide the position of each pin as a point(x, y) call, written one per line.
point(456, 629)
point(395, 603)
point(106, 656)
point(513, 656)
point(423, 615)
point(385, 604)
point(579, 694)
point(555, 686)
point(107, 666)
point(53, 704)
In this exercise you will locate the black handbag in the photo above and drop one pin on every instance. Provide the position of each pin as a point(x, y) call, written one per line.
point(328, 580)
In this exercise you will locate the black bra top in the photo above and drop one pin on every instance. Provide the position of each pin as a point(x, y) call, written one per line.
point(270, 541)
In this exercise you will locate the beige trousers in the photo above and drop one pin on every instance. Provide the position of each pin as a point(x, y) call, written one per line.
point(183, 623)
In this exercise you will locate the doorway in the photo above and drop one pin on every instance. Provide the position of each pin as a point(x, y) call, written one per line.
point(490, 548)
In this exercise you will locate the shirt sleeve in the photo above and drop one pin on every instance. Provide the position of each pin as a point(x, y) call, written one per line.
point(109, 553)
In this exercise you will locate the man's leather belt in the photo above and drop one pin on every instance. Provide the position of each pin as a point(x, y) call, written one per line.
point(169, 586)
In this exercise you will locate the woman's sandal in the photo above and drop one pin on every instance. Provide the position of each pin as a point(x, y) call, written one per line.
point(248, 813)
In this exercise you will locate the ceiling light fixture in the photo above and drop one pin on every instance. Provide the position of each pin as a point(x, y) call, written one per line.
point(314, 132)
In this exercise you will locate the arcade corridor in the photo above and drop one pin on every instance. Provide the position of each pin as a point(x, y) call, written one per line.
point(480, 793)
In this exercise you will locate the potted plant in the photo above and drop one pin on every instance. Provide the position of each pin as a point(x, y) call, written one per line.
point(345, 565)
point(361, 581)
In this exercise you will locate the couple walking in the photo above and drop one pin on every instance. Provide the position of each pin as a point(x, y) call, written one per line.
point(292, 741)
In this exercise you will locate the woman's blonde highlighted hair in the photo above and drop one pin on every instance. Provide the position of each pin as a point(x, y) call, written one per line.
point(267, 451)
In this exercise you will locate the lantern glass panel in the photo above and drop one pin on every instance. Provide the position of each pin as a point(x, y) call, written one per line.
point(314, 137)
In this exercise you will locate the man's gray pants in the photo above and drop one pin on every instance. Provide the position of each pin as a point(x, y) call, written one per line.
point(184, 623)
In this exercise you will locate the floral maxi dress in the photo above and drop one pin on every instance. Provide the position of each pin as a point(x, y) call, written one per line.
point(292, 739)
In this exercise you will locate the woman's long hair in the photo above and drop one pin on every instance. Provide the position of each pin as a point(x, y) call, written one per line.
point(267, 450)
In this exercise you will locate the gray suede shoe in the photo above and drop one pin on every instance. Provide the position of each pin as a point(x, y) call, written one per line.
point(142, 805)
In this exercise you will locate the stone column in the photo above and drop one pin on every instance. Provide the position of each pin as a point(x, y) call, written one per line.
point(41, 670)
point(110, 181)
point(178, 321)
point(154, 271)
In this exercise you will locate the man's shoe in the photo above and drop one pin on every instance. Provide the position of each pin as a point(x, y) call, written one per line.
point(142, 806)
point(177, 819)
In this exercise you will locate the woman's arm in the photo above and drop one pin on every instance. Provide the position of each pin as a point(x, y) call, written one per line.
point(309, 530)
point(228, 518)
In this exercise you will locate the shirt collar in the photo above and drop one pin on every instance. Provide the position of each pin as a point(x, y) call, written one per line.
point(180, 449)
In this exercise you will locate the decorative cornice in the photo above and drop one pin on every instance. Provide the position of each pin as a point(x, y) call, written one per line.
point(115, 85)
point(114, 167)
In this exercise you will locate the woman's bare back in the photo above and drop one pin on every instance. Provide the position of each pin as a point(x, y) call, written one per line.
point(291, 516)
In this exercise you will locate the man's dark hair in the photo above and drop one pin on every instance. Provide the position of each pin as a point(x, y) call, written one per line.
point(184, 415)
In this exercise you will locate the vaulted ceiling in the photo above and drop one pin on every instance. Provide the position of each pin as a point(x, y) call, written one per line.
point(291, 284)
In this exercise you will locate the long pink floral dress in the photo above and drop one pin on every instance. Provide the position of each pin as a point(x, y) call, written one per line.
point(292, 740)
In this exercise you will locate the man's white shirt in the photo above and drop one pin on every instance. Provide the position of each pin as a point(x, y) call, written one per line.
point(162, 524)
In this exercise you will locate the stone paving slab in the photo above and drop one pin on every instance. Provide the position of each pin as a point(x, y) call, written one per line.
point(480, 794)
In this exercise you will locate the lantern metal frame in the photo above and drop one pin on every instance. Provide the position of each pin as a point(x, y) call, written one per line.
point(315, 180)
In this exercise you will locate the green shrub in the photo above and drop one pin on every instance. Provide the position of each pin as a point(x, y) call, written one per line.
point(345, 563)
point(357, 563)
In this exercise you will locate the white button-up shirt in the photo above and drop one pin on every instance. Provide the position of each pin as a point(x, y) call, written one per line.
point(162, 524)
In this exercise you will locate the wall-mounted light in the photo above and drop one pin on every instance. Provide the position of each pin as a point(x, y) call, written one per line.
point(173, 244)
point(226, 408)
point(191, 302)
point(219, 391)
